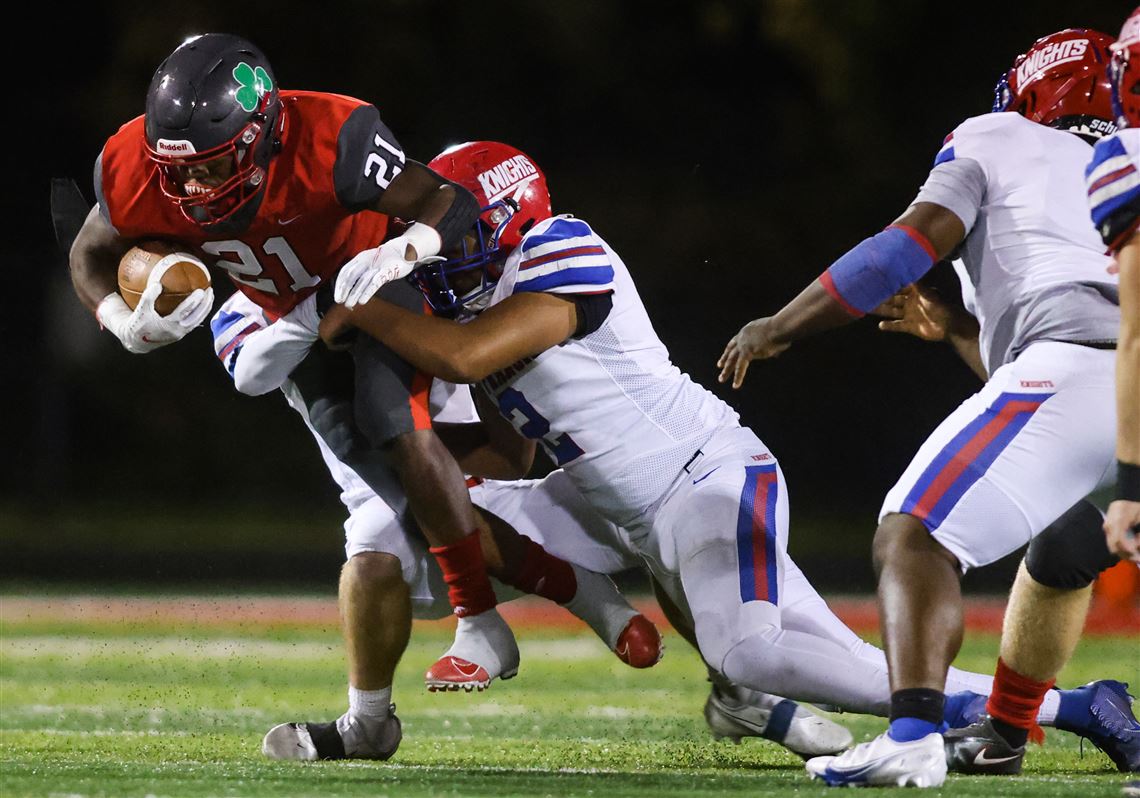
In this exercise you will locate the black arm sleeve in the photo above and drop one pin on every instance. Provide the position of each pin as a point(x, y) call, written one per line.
point(368, 158)
point(593, 310)
point(99, 197)
point(1120, 224)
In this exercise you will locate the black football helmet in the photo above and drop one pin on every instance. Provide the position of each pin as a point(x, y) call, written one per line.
point(213, 121)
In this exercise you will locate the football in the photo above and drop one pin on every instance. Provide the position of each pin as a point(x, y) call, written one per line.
point(185, 274)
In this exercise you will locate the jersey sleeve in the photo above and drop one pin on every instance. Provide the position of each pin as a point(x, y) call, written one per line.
point(368, 159)
point(564, 257)
point(235, 321)
point(100, 196)
point(958, 185)
point(959, 176)
point(1113, 181)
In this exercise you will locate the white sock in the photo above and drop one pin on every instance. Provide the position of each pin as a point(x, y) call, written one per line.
point(1047, 714)
point(370, 703)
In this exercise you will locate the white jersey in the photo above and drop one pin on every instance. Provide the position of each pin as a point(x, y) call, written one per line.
point(1032, 266)
point(239, 321)
point(609, 407)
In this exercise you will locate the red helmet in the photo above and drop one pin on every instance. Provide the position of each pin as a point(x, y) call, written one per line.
point(512, 191)
point(495, 173)
point(1124, 73)
point(1062, 82)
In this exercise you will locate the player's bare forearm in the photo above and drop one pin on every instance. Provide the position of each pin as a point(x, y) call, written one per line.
point(419, 194)
point(94, 260)
point(813, 311)
point(521, 326)
point(502, 437)
point(1128, 354)
point(435, 487)
point(478, 455)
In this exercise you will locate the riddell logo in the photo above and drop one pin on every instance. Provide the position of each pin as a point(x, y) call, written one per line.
point(175, 147)
point(1048, 57)
point(1036, 383)
point(762, 457)
point(512, 176)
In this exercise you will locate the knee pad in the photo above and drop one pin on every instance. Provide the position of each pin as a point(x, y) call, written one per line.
point(1071, 552)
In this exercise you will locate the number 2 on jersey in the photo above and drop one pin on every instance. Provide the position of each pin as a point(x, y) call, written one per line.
point(249, 266)
point(561, 447)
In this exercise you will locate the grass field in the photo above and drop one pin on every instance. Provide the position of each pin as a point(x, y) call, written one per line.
point(141, 705)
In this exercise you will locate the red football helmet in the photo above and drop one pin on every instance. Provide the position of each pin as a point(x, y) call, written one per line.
point(495, 173)
point(1062, 82)
point(512, 191)
point(1124, 73)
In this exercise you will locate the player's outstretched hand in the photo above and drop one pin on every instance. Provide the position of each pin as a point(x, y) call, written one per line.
point(755, 341)
point(916, 311)
point(1120, 528)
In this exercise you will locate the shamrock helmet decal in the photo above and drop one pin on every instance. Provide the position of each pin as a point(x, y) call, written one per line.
point(253, 84)
point(214, 98)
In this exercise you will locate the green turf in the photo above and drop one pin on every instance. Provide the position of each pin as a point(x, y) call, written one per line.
point(143, 710)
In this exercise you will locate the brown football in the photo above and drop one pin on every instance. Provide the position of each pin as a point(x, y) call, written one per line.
point(184, 276)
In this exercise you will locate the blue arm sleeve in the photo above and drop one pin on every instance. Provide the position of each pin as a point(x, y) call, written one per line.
point(877, 268)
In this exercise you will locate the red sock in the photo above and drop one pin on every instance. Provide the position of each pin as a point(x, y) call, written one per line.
point(543, 574)
point(465, 572)
point(1015, 700)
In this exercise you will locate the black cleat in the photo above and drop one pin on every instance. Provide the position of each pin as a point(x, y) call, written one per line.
point(348, 737)
point(979, 749)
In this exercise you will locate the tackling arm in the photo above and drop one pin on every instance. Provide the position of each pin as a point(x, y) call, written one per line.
point(491, 448)
point(854, 285)
point(520, 326)
point(1123, 519)
point(442, 211)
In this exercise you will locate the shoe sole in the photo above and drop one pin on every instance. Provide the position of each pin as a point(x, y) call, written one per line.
point(439, 686)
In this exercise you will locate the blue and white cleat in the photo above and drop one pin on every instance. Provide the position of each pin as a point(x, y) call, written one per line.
point(1102, 712)
point(734, 712)
point(882, 762)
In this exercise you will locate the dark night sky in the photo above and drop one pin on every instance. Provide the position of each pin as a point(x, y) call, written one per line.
point(728, 150)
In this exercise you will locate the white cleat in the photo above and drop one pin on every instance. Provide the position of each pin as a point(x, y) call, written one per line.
point(484, 650)
point(739, 712)
point(624, 630)
point(882, 762)
point(348, 737)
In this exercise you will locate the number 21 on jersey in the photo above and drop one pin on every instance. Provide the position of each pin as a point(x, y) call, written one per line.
point(249, 267)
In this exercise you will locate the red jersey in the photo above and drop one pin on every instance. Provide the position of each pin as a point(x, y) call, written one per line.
point(336, 159)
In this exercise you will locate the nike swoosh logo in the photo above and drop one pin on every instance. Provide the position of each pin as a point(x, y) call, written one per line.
point(290, 221)
point(706, 476)
point(982, 759)
point(460, 669)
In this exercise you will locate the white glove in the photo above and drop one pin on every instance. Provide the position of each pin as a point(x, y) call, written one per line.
point(142, 330)
point(368, 271)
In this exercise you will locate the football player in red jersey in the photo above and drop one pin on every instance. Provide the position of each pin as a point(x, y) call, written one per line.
point(286, 190)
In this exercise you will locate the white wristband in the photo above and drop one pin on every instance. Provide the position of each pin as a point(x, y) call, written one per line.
point(110, 310)
point(424, 239)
